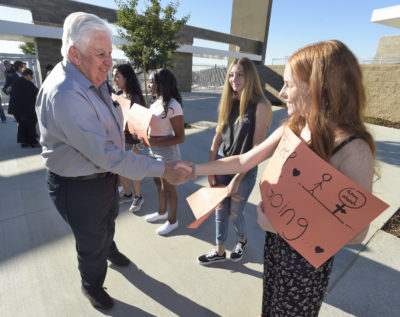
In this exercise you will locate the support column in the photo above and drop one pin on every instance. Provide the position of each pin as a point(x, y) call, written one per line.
point(251, 21)
point(183, 70)
point(48, 51)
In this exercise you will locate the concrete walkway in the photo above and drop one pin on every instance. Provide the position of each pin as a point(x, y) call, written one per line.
point(38, 266)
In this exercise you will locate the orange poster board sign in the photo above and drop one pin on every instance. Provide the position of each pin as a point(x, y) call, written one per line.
point(204, 201)
point(313, 207)
point(136, 116)
point(124, 103)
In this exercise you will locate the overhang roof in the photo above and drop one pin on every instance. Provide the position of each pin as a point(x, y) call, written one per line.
point(26, 32)
point(389, 16)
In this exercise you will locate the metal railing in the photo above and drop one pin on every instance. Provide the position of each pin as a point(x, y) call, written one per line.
point(280, 61)
point(380, 60)
point(208, 77)
point(204, 77)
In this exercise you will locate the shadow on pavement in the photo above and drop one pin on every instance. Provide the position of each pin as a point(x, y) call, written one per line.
point(388, 152)
point(162, 294)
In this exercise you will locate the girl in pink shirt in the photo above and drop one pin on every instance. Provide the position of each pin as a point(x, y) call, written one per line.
point(166, 132)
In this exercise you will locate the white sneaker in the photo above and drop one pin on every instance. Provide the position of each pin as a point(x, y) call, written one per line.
point(167, 227)
point(156, 216)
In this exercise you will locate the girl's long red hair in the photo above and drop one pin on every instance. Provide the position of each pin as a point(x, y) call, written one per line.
point(337, 94)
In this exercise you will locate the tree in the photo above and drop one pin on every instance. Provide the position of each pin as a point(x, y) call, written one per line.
point(151, 37)
point(27, 48)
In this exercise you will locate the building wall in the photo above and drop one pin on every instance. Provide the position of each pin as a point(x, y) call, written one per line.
point(183, 70)
point(48, 51)
point(381, 81)
point(53, 13)
point(388, 46)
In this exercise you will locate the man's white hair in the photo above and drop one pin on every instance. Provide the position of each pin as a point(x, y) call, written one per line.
point(78, 27)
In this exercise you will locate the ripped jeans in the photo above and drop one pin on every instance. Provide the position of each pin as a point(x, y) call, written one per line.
point(222, 212)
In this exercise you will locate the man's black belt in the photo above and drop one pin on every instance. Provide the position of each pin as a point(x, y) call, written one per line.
point(86, 177)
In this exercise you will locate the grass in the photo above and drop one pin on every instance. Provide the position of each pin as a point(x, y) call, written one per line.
point(393, 225)
point(383, 122)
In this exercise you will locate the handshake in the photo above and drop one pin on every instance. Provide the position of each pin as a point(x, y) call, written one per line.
point(179, 172)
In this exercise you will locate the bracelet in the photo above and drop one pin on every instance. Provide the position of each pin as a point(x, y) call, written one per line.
point(194, 169)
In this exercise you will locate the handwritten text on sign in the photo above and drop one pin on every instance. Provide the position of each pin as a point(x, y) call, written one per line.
point(313, 206)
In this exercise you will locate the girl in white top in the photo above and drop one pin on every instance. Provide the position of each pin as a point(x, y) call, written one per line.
point(166, 132)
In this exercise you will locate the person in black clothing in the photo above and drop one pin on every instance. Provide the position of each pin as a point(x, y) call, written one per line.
point(126, 80)
point(9, 73)
point(244, 118)
point(2, 114)
point(18, 68)
point(23, 96)
point(48, 70)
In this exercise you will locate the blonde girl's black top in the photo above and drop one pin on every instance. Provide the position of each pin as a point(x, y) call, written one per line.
point(237, 137)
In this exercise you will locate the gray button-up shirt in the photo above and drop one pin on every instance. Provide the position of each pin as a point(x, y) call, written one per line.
point(81, 129)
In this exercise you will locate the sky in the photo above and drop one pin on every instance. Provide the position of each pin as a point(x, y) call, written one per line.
point(294, 23)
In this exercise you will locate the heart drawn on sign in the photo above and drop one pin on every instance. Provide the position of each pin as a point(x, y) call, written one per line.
point(318, 249)
point(296, 172)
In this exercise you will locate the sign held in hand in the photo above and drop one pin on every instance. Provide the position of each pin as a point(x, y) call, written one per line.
point(137, 117)
point(204, 201)
point(313, 206)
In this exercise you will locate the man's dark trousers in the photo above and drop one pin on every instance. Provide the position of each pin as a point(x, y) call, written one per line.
point(90, 208)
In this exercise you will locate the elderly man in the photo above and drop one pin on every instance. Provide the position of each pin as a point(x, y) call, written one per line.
point(83, 140)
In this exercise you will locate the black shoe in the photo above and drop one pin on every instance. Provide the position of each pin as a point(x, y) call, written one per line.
point(98, 298)
point(238, 251)
point(211, 257)
point(118, 259)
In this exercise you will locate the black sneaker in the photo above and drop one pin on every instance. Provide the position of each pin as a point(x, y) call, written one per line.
point(98, 298)
point(238, 251)
point(137, 204)
point(118, 259)
point(211, 257)
point(123, 198)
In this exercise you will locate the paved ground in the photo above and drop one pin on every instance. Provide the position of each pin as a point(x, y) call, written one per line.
point(38, 267)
